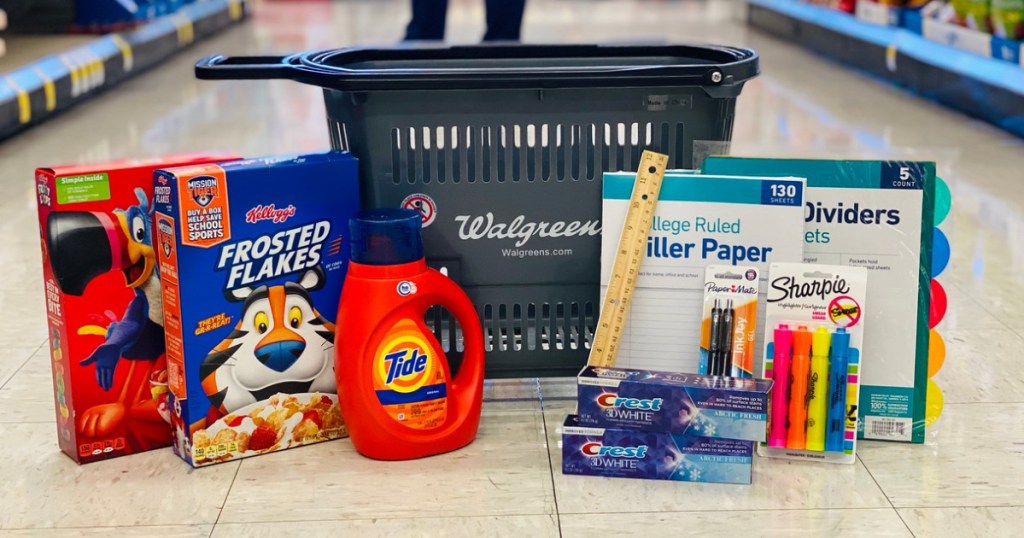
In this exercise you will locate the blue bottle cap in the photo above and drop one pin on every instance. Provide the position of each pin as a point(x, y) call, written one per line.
point(386, 236)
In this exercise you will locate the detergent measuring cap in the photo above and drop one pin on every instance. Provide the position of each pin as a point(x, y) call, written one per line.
point(386, 236)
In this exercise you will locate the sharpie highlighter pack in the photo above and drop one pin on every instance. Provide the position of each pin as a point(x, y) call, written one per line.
point(878, 215)
point(813, 353)
point(728, 329)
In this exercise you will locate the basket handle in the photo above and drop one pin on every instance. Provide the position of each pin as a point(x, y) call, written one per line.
point(218, 67)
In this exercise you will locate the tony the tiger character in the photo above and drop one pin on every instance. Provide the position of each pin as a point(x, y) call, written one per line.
point(280, 345)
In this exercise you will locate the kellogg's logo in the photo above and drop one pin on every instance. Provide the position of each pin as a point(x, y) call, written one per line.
point(269, 212)
point(202, 189)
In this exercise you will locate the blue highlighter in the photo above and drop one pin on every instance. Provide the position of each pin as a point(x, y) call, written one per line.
point(839, 361)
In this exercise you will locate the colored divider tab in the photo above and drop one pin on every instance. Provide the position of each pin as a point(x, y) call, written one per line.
point(938, 304)
point(936, 352)
point(940, 252)
point(943, 200)
point(935, 401)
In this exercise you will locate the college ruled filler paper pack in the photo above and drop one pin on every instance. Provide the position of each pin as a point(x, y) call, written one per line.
point(700, 220)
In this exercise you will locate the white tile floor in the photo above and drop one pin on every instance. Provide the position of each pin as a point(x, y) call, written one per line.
point(967, 480)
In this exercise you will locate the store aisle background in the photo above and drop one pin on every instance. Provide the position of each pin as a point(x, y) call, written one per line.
point(968, 479)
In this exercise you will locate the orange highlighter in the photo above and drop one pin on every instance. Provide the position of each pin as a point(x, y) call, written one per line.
point(800, 370)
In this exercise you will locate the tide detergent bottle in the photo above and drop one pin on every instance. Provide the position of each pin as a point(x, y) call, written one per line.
point(397, 394)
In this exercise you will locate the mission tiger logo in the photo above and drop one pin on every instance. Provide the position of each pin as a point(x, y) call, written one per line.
point(202, 190)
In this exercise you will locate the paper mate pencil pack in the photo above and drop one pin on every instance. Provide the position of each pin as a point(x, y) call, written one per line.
point(625, 453)
point(252, 257)
point(103, 308)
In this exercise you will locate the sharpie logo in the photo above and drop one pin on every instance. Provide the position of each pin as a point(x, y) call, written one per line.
point(787, 287)
point(612, 400)
point(712, 287)
point(597, 449)
point(472, 228)
point(817, 212)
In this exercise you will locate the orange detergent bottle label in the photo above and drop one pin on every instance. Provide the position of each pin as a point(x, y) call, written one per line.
point(409, 378)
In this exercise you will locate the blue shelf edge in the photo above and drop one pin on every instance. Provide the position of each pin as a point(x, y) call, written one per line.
point(988, 88)
point(33, 93)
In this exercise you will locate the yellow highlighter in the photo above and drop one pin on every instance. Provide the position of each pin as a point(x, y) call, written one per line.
point(817, 390)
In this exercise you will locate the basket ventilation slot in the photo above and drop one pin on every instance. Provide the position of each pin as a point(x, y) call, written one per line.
point(531, 152)
point(339, 135)
point(515, 327)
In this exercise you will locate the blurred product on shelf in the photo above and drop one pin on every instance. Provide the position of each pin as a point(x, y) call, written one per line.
point(41, 89)
point(1008, 18)
point(87, 16)
point(842, 5)
point(34, 16)
point(973, 14)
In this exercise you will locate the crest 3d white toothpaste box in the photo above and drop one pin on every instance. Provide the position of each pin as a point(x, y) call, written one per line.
point(691, 404)
point(624, 453)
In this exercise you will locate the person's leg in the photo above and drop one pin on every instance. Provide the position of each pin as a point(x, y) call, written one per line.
point(428, 17)
point(504, 19)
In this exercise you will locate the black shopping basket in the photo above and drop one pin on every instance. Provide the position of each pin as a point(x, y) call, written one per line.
point(502, 149)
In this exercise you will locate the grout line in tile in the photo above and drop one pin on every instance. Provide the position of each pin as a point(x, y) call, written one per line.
point(875, 480)
point(501, 400)
point(944, 507)
point(90, 527)
point(551, 464)
point(226, 495)
point(732, 511)
point(978, 403)
point(905, 524)
point(371, 518)
point(22, 365)
point(754, 510)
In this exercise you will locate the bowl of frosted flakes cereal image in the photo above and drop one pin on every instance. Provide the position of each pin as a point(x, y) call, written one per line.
point(280, 422)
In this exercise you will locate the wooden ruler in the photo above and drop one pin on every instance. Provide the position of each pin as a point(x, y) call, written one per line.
point(632, 245)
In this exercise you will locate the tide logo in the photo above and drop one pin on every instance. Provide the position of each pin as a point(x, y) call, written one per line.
point(406, 362)
point(631, 452)
point(612, 400)
point(403, 365)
